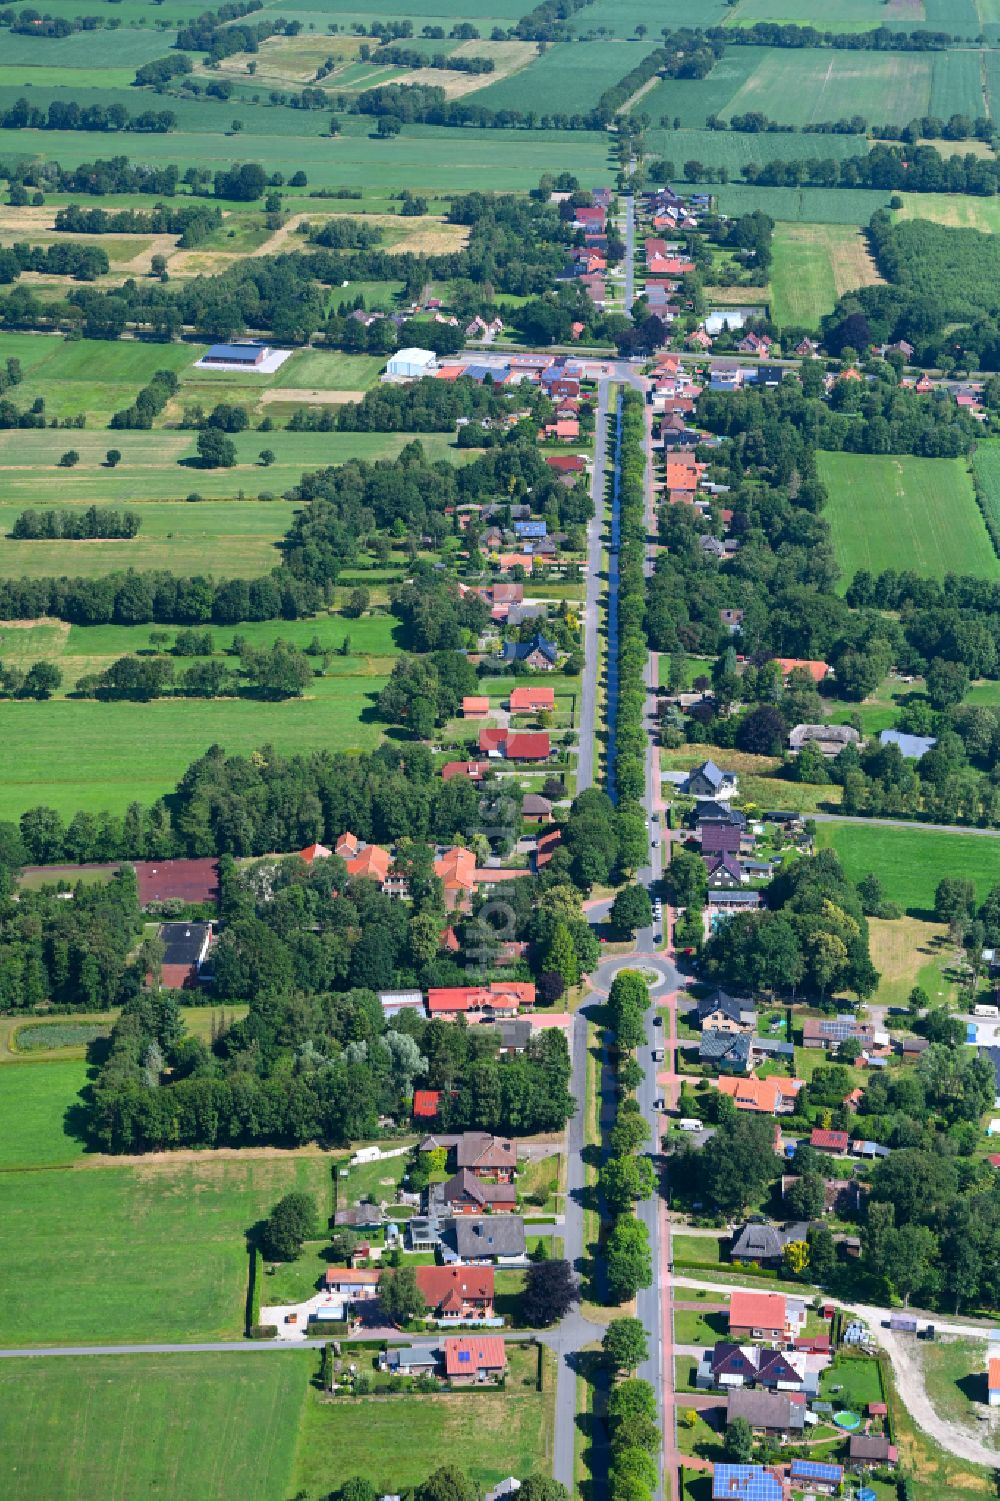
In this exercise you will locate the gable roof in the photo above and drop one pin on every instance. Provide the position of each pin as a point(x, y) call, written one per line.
point(465, 1185)
point(762, 1095)
point(763, 1409)
point(447, 1287)
point(473, 1353)
point(725, 1047)
point(494, 1235)
point(731, 1006)
point(757, 1310)
point(480, 1149)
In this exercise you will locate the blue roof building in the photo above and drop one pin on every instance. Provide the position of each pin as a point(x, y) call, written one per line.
point(530, 528)
point(745, 1483)
point(237, 354)
point(816, 1475)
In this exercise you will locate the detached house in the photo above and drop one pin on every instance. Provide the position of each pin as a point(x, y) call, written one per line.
point(708, 781)
point(773, 1096)
point(539, 654)
point(456, 1294)
point(765, 1316)
point(721, 1012)
point(473, 1360)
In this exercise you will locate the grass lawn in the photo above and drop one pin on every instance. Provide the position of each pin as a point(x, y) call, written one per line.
point(150, 1252)
point(396, 1442)
point(813, 265)
point(127, 1426)
point(706, 1250)
point(955, 1377)
point(34, 1099)
point(125, 751)
point(910, 862)
point(908, 952)
point(904, 512)
point(378, 1180)
point(692, 1327)
point(851, 1383)
point(685, 1367)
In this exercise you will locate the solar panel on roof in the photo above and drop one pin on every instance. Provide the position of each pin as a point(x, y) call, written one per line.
point(812, 1469)
point(464, 1355)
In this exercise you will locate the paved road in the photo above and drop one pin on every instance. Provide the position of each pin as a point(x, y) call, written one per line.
point(629, 252)
point(591, 643)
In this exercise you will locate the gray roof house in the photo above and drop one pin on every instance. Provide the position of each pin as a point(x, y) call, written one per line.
point(830, 739)
point(765, 1243)
point(773, 1412)
point(729, 1052)
point(719, 1008)
point(412, 1360)
point(709, 781)
point(497, 1238)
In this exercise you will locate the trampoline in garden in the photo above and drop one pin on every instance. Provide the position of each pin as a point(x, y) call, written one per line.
point(849, 1421)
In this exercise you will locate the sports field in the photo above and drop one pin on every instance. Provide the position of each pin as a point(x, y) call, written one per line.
point(137, 1253)
point(121, 1427)
point(891, 511)
point(911, 861)
point(813, 265)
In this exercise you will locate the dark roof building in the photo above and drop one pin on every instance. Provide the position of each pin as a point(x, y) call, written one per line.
point(773, 1412)
point(177, 880)
point(185, 946)
point(728, 1051)
point(765, 1244)
point(498, 1237)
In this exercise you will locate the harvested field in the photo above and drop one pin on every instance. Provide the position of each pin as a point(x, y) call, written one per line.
point(814, 264)
point(509, 57)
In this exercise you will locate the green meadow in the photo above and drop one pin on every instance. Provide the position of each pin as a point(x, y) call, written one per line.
point(141, 1252)
point(890, 511)
point(34, 1101)
point(911, 861)
point(120, 1427)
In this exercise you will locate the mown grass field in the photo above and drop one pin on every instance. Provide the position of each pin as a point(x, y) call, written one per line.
point(120, 1427)
point(911, 861)
point(955, 210)
point(34, 1100)
point(82, 754)
point(904, 512)
point(906, 952)
point(813, 265)
point(397, 1443)
point(144, 1253)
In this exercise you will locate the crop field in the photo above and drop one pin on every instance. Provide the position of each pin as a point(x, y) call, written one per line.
point(124, 1426)
point(911, 861)
point(904, 512)
point(955, 210)
point(87, 51)
point(34, 1101)
point(813, 265)
point(955, 16)
point(622, 16)
point(396, 1444)
point(423, 157)
point(800, 205)
point(957, 85)
point(569, 78)
point(735, 149)
point(806, 86)
point(157, 1250)
point(986, 463)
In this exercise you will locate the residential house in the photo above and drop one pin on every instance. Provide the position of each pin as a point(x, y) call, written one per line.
point(359, 1284)
point(497, 1239)
point(729, 1052)
point(772, 1096)
point(731, 619)
point(475, 706)
point(465, 1193)
point(315, 852)
point(758, 344)
point(568, 464)
point(473, 770)
point(869, 1451)
point(708, 781)
point(830, 739)
point(426, 1104)
point(736, 1367)
point(830, 1031)
point(766, 1412)
point(487, 1156)
point(806, 349)
point(721, 1012)
point(539, 654)
point(185, 950)
point(754, 1315)
point(480, 1002)
point(709, 811)
point(828, 1141)
point(911, 747)
point(457, 1294)
point(411, 1360)
point(524, 745)
point(508, 561)
point(816, 1476)
point(456, 870)
point(746, 1483)
point(720, 838)
point(725, 873)
point(515, 1034)
point(764, 1244)
point(371, 863)
point(818, 671)
point(725, 375)
point(723, 901)
point(474, 1359)
point(531, 700)
point(534, 806)
point(841, 1196)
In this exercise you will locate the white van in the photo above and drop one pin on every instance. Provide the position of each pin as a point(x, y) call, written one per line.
point(993, 1011)
point(687, 1124)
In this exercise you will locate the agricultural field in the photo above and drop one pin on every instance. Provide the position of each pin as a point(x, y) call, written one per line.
point(807, 86)
point(568, 79)
point(396, 1443)
point(736, 149)
point(910, 861)
point(954, 210)
point(620, 17)
point(904, 512)
point(157, 1252)
point(813, 265)
point(111, 1426)
point(800, 205)
point(986, 463)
